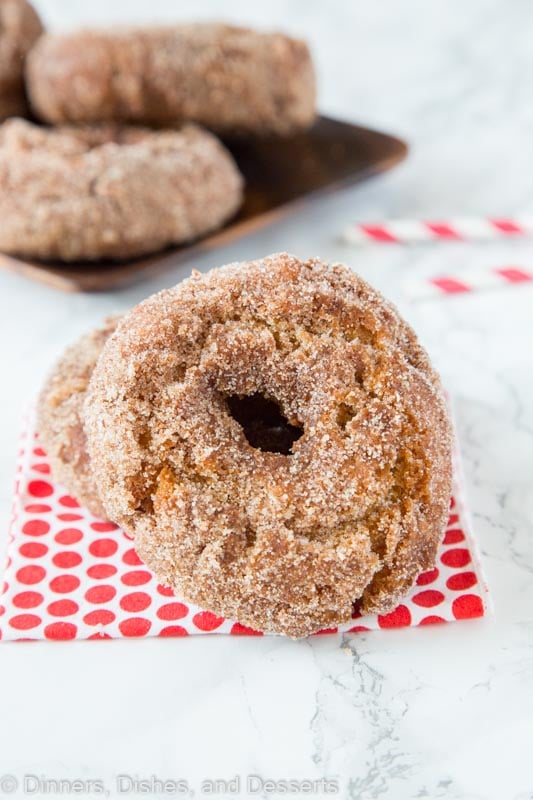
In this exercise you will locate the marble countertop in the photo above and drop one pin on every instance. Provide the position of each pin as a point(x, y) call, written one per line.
point(434, 712)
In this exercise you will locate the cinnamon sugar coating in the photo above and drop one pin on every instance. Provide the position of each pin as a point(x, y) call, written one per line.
point(282, 542)
point(109, 191)
point(230, 79)
point(20, 27)
point(60, 416)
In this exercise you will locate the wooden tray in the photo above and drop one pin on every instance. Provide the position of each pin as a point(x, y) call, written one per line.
point(279, 174)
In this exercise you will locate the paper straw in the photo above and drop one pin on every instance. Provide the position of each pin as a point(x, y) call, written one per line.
point(414, 231)
point(466, 282)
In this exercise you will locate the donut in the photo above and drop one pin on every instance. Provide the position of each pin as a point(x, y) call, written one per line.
point(230, 79)
point(110, 192)
point(276, 441)
point(60, 420)
point(20, 27)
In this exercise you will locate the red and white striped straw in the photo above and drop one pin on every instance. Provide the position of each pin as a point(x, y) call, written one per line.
point(468, 281)
point(414, 231)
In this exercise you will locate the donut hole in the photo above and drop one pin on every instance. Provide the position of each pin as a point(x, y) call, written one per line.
point(263, 423)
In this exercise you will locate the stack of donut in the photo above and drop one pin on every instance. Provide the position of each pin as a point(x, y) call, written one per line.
point(271, 434)
point(97, 187)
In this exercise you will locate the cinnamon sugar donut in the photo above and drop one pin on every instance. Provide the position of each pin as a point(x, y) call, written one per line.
point(230, 79)
point(110, 192)
point(60, 416)
point(20, 27)
point(277, 441)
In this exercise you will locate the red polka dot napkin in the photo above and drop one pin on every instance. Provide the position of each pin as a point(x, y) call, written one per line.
point(72, 576)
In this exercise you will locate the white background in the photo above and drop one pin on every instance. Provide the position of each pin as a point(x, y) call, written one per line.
point(444, 712)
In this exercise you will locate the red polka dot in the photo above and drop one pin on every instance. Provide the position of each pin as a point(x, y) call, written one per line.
point(38, 451)
point(172, 611)
point(31, 574)
point(358, 629)
point(462, 580)
point(324, 631)
point(452, 502)
point(103, 548)
point(207, 621)
point(69, 501)
point(103, 527)
point(28, 599)
point(173, 630)
point(398, 618)
point(61, 631)
point(127, 536)
point(432, 619)
point(427, 577)
point(35, 527)
point(68, 536)
point(37, 508)
point(130, 557)
point(428, 599)
point(40, 489)
point(99, 635)
point(136, 601)
point(135, 626)
point(242, 630)
point(64, 584)
point(166, 591)
point(63, 608)
point(453, 520)
point(453, 536)
point(458, 557)
point(23, 622)
point(44, 469)
point(136, 577)
point(67, 559)
point(2, 612)
point(69, 517)
point(100, 594)
point(100, 616)
point(467, 606)
point(101, 571)
point(33, 550)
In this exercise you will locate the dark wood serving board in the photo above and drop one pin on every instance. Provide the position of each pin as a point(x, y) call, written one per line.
point(279, 174)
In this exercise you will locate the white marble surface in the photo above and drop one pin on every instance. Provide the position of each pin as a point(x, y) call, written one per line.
point(444, 712)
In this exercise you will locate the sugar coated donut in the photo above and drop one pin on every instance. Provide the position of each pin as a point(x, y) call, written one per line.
point(99, 192)
point(232, 80)
point(60, 419)
point(20, 27)
point(276, 440)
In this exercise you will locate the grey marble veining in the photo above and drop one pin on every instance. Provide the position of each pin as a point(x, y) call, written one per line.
point(443, 712)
